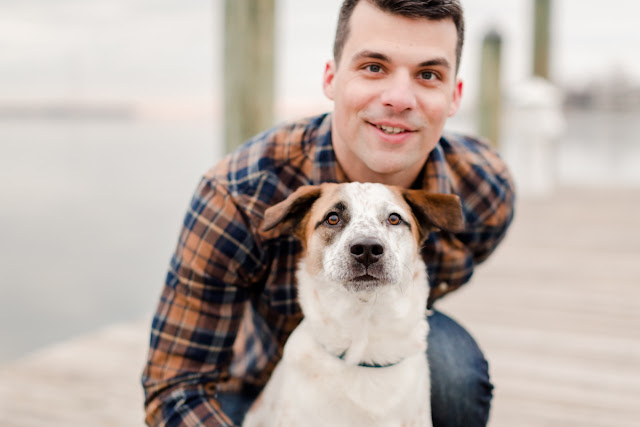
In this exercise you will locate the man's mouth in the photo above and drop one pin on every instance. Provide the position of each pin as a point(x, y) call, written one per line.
point(391, 130)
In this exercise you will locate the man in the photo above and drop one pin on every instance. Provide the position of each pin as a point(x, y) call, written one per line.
point(229, 300)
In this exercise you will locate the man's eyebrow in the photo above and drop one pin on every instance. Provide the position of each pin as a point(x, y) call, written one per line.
point(435, 62)
point(368, 54)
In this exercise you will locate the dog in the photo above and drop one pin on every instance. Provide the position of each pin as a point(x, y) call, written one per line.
point(358, 358)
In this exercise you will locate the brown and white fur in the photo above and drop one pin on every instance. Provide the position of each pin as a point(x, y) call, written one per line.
point(362, 287)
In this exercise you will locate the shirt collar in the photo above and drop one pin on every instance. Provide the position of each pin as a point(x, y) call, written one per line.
point(325, 165)
point(436, 174)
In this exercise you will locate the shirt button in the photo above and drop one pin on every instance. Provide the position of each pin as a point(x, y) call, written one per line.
point(443, 286)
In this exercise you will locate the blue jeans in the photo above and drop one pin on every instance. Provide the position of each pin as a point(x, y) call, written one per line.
point(460, 388)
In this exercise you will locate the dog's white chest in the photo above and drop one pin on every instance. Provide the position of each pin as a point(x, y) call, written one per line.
point(311, 387)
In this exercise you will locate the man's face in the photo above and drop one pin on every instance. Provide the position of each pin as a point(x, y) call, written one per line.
point(393, 90)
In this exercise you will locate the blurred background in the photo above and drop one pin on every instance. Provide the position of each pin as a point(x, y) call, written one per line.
point(111, 111)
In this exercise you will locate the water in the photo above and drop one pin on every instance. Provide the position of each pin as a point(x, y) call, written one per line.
point(601, 149)
point(89, 217)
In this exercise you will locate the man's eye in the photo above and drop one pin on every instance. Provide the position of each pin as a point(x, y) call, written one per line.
point(428, 75)
point(374, 68)
point(332, 219)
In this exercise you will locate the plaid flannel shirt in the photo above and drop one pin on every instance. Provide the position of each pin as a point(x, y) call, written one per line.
point(229, 301)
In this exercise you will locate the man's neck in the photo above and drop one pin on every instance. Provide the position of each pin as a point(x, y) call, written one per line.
point(404, 180)
point(356, 171)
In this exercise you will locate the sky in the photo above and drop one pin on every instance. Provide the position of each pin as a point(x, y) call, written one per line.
point(159, 52)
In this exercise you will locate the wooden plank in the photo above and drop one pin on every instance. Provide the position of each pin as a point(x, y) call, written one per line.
point(557, 312)
point(88, 381)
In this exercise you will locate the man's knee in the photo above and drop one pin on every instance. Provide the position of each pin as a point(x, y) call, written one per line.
point(460, 387)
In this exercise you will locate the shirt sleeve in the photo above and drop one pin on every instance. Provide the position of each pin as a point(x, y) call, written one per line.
point(200, 311)
point(483, 182)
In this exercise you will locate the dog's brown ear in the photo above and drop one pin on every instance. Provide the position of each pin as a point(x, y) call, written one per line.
point(432, 210)
point(291, 210)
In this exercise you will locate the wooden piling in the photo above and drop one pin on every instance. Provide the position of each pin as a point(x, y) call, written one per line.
point(541, 38)
point(249, 69)
point(489, 106)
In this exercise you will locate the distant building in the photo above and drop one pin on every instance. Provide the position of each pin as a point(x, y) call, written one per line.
point(616, 93)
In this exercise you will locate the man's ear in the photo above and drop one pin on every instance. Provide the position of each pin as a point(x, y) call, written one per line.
point(433, 211)
point(456, 97)
point(328, 79)
point(290, 211)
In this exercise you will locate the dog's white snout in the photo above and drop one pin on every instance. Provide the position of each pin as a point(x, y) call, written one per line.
point(367, 251)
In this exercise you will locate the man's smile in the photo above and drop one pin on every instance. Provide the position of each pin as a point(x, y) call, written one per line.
point(393, 129)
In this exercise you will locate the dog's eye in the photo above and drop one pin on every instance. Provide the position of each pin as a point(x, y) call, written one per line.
point(394, 219)
point(332, 219)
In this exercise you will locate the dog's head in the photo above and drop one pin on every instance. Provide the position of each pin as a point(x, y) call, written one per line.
point(363, 235)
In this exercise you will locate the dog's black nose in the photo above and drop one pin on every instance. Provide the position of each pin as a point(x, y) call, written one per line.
point(367, 251)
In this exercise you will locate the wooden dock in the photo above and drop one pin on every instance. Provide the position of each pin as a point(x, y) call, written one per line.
point(556, 310)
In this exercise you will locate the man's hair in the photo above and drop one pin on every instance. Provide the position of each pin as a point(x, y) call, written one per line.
point(435, 10)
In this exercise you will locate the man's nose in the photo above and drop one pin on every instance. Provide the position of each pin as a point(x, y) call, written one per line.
point(399, 94)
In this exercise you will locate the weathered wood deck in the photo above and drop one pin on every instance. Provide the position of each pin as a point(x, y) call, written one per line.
point(556, 310)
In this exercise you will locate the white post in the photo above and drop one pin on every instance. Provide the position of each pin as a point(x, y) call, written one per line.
point(534, 124)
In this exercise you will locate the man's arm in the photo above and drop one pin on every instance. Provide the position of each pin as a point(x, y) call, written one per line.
point(199, 313)
point(485, 186)
point(488, 193)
